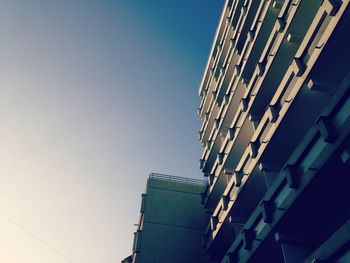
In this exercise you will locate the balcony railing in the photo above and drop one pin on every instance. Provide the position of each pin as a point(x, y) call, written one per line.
point(177, 179)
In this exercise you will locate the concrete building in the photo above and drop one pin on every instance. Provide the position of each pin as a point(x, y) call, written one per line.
point(275, 113)
point(171, 221)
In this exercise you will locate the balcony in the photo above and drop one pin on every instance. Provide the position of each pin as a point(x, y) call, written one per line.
point(307, 173)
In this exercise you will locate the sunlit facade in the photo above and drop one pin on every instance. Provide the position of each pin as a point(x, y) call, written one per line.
point(275, 113)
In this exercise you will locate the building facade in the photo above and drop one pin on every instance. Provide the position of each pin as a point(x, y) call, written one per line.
point(275, 113)
point(171, 222)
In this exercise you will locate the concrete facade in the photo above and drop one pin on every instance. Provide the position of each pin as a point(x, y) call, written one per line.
point(171, 221)
point(275, 113)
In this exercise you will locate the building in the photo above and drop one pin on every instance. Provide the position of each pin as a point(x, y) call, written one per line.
point(171, 222)
point(275, 113)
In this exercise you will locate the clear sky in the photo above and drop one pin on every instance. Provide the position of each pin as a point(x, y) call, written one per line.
point(95, 95)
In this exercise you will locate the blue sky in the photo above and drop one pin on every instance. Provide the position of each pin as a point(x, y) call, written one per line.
point(95, 95)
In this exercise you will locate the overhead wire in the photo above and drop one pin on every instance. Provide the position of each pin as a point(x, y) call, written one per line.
point(37, 238)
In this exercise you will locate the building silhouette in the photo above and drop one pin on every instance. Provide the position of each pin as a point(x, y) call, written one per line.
point(275, 111)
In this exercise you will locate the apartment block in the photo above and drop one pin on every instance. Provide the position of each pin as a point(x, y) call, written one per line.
point(171, 222)
point(275, 111)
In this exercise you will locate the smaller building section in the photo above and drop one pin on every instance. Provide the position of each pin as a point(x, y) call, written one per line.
point(171, 221)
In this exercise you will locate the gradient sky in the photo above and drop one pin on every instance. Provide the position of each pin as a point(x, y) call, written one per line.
point(95, 95)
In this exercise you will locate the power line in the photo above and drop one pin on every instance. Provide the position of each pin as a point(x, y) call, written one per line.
point(36, 237)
